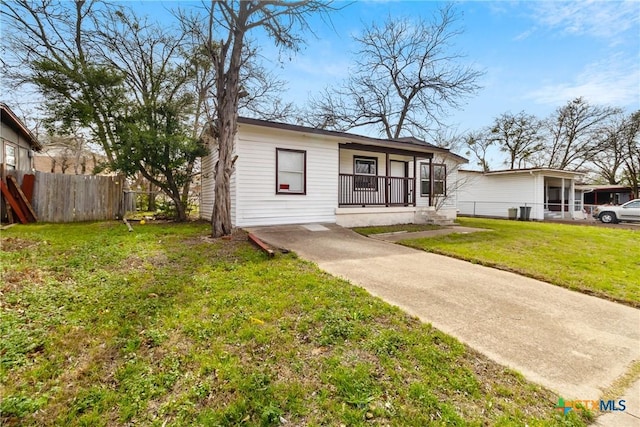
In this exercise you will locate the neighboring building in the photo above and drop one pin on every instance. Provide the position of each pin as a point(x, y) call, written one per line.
point(18, 144)
point(549, 193)
point(605, 194)
point(288, 174)
point(67, 155)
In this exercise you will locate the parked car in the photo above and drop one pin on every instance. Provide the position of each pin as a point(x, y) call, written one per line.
point(610, 214)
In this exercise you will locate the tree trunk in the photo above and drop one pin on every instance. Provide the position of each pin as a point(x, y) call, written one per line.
point(221, 219)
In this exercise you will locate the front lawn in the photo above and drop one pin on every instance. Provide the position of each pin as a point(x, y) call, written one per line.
point(596, 260)
point(164, 326)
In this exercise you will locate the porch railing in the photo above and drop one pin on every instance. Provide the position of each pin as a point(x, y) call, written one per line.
point(365, 190)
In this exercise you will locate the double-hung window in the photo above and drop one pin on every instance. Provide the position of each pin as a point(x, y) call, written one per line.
point(366, 173)
point(439, 180)
point(291, 171)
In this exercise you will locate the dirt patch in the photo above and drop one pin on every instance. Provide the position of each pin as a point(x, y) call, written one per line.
point(15, 280)
point(14, 244)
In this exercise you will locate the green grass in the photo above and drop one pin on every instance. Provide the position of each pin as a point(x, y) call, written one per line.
point(596, 260)
point(164, 326)
point(367, 231)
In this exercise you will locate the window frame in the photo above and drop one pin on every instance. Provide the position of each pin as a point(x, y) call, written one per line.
point(13, 166)
point(374, 176)
point(428, 179)
point(304, 172)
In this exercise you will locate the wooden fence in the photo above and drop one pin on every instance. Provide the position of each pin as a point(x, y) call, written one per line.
point(72, 198)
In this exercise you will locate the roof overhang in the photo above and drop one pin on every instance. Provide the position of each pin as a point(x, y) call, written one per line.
point(10, 118)
point(547, 172)
point(360, 142)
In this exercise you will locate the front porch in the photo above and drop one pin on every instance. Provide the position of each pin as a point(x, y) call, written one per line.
point(561, 199)
point(363, 190)
point(381, 176)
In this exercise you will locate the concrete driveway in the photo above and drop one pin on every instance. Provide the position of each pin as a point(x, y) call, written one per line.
point(571, 343)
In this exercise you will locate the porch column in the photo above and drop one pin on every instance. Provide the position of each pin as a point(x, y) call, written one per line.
point(386, 180)
point(431, 181)
point(572, 198)
point(415, 180)
point(562, 198)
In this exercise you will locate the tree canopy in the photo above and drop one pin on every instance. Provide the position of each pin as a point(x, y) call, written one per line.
point(407, 73)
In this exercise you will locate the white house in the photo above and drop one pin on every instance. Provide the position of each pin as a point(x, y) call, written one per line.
point(288, 174)
point(545, 193)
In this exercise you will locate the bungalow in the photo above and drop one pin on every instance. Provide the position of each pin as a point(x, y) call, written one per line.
point(536, 193)
point(17, 143)
point(289, 174)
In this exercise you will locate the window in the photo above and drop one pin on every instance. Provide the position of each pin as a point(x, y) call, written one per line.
point(291, 171)
point(366, 172)
point(439, 180)
point(10, 157)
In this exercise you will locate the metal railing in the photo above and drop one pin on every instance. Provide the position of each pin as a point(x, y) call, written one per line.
point(367, 190)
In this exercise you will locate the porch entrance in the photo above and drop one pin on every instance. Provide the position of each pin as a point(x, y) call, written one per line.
point(399, 192)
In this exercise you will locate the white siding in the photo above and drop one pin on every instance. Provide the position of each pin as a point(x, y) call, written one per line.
point(493, 195)
point(450, 201)
point(258, 203)
point(208, 184)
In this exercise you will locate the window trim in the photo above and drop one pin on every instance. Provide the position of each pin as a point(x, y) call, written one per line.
point(304, 172)
point(5, 156)
point(355, 174)
point(444, 180)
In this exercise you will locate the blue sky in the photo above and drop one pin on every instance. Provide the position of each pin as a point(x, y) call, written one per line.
point(537, 55)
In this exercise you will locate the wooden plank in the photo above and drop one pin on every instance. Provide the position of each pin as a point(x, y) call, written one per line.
point(25, 206)
point(262, 245)
point(13, 203)
point(28, 182)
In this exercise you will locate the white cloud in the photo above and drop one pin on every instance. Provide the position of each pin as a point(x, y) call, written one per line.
point(604, 19)
point(614, 81)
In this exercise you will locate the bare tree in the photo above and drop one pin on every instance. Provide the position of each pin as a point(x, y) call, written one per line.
point(631, 150)
point(478, 144)
point(223, 34)
point(518, 136)
point(572, 131)
point(406, 75)
point(611, 149)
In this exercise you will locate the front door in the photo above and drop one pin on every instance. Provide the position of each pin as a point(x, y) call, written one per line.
point(398, 193)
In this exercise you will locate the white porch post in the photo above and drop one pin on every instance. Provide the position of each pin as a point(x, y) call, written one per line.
point(572, 198)
point(562, 198)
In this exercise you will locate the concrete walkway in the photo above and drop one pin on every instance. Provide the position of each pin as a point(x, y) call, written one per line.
point(454, 229)
point(571, 343)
